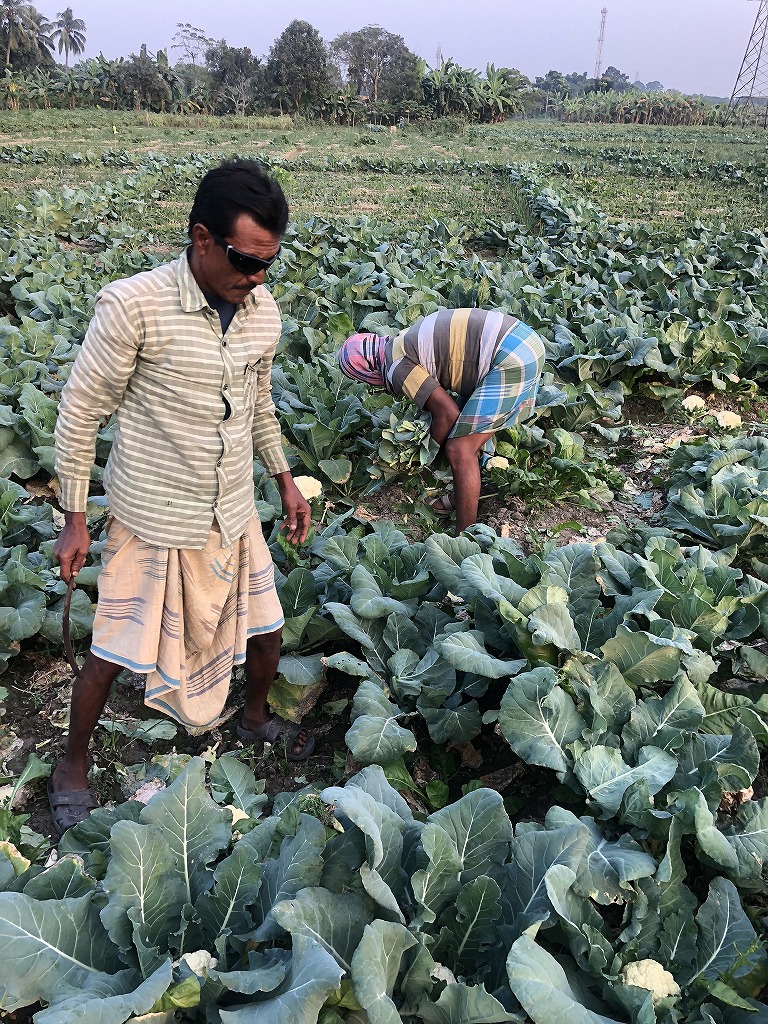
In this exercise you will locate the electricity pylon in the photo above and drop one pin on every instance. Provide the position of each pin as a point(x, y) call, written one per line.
point(751, 89)
point(600, 41)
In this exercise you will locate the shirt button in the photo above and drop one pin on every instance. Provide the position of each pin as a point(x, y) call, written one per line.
point(215, 504)
point(226, 387)
point(218, 464)
point(223, 344)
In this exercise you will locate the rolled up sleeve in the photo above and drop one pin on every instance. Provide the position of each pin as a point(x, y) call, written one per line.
point(95, 388)
point(267, 438)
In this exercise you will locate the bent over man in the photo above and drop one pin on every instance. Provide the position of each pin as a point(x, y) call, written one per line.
point(182, 355)
point(489, 360)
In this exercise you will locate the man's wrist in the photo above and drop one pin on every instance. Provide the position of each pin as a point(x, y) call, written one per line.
point(283, 481)
point(74, 518)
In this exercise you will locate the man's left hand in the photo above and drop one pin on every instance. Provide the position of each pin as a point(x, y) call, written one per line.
point(298, 514)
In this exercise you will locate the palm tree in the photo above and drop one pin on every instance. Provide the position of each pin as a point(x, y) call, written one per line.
point(19, 25)
point(70, 32)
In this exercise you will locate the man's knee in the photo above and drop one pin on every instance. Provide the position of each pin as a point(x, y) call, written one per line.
point(461, 450)
point(265, 643)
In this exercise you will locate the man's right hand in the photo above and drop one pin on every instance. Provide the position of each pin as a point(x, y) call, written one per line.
point(71, 549)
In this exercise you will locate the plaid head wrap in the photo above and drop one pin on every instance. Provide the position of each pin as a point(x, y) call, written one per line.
point(361, 357)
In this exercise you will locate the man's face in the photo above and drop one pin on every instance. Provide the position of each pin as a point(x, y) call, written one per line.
point(213, 271)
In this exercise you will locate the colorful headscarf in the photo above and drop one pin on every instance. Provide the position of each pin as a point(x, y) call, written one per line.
point(361, 357)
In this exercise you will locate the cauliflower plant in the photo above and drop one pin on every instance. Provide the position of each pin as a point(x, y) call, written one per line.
point(650, 975)
point(237, 814)
point(308, 486)
point(693, 402)
point(728, 420)
point(200, 962)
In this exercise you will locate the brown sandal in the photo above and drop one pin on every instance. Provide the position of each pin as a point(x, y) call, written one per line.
point(442, 505)
point(69, 807)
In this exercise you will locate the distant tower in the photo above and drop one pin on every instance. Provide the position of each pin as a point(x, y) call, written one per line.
point(439, 57)
point(600, 41)
point(751, 89)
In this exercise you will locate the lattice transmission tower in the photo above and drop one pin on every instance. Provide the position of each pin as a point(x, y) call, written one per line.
point(600, 41)
point(751, 89)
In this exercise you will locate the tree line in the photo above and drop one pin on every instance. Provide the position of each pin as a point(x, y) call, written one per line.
point(368, 75)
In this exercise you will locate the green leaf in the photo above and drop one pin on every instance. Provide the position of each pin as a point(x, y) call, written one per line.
point(375, 736)
point(537, 852)
point(726, 936)
point(606, 776)
point(236, 883)
point(62, 880)
point(337, 470)
point(195, 828)
point(541, 986)
point(314, 974)
point(50, 947)
point(81, 613)
point(478, 828)
point(663, 722)
point(24, 613)
point(368, 601)
point(336, 921)
point(113, 1008)
point(642, 658)
point(298, 865)
point(608, 867)
point(466, 652)
point(375, 967)
point(465, 1004)
point(748, 837)
point(145, 892)
point(538, 719)
point(468, 927)
point(233, 782)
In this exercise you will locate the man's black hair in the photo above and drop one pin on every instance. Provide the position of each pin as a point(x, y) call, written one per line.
point(239, 186)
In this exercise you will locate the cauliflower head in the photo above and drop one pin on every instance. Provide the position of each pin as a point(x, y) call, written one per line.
point(728, 420)
point(497, 462)
point(200, 962)
point(693, 402)
point(309, 487)
point(650, 975)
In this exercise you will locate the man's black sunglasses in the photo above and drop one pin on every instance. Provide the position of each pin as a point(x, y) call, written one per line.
point(242, 261)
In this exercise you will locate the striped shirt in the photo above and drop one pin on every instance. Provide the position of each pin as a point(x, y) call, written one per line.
point(451, 349)
point(191, 403)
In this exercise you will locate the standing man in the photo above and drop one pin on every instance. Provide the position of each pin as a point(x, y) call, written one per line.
point(488, 360)
point(182, 355)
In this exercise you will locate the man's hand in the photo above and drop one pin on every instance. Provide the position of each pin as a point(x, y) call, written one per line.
point(71, 548)
point(298, 514)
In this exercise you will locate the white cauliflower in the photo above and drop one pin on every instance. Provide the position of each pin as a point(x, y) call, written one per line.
point(237, 814)
point(441, 973)
point(200, 962)
point(308, 486)
point(727, 420)
point(650, 975)
point(693, 402)
point(497, 462)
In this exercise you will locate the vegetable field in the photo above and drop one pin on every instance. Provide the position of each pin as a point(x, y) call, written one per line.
point(540, 788)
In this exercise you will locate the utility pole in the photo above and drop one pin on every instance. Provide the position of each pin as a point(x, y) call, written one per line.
point(751, 89)
point(600, 41)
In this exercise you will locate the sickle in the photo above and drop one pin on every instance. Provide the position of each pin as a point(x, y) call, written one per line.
point(65, 627)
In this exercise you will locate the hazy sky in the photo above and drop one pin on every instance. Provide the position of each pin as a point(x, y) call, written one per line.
point(691, 45)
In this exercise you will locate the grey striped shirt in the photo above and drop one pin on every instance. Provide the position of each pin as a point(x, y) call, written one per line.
point(155, 354)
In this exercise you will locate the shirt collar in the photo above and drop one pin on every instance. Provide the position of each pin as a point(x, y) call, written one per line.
point(190, 293)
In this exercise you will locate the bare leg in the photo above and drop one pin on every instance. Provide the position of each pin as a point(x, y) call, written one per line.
point(462, 454)
point(262, 654)
point(89, 695)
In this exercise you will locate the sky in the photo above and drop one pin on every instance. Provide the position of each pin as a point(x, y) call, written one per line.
point(695, 46)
